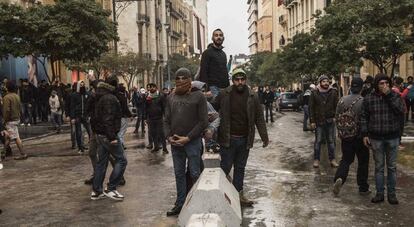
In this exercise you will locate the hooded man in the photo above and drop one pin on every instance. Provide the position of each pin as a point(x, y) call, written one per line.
point(306, 97)
point(240, 112)
point(184, 122)
point(348, 114)
point(155, 106)
point(213, 65)
point(78, 113)
point(322, 104)
point(381, 116)
point(108, 115)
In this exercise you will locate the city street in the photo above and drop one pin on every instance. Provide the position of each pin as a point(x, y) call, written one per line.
point(48, 190)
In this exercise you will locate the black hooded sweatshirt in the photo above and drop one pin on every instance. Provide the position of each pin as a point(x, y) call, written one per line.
point(213, 67)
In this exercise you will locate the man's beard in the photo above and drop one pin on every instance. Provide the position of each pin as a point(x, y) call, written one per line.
point(325, 86)
point(218, 43)
point(240, 88)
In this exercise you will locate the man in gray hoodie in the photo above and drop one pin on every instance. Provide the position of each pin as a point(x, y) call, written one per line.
point(184, 122)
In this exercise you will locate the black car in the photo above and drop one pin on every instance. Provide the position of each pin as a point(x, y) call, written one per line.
point(288, 100)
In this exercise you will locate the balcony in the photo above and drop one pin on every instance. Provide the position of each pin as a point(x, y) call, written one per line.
point(290, 3)
point(176, 35)
point(143, 19)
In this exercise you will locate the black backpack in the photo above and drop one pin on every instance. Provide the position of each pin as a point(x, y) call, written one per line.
point(347, 123)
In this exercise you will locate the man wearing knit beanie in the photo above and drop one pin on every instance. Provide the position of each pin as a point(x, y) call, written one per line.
point(322, 105)
point(348, 124)
point(185, 120)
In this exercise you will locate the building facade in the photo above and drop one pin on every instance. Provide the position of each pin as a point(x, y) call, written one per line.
point(265, 25)
point(253, 18)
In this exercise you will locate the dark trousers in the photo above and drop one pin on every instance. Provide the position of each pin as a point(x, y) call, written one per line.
point(26, 117)
point(410, 106)
point(191, 152)
point(43, 111)
point(78, 125)
point(156, 132)
point(104, 150)
point(269, 109)
point(140, 121)
point(305, 117)
point(236, 155)
point(351, 148)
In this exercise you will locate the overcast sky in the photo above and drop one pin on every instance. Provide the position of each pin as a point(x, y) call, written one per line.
point(231, 17)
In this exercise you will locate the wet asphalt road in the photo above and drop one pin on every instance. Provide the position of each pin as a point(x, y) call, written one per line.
point(48, 190)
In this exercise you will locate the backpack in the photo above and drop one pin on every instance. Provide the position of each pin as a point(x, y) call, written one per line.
point(347, 123)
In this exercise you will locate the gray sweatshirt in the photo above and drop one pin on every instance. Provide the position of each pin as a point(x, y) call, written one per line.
point(186, 115)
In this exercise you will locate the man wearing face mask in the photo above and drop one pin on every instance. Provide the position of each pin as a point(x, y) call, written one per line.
point(240, 111)
point(213, 65)
point(322, 104)
point(78, 113)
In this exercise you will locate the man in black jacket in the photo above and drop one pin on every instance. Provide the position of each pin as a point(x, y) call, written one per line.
point(155, 106)
point(382, 111)
point(213, 65)
point(269, 97)
point(27, 99)
point(322, 104)
point(78, 113)
point(108, 117)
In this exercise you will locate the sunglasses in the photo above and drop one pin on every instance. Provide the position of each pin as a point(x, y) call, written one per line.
point(239, 79)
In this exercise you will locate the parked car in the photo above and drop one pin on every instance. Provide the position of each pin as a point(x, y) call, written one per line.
point(288, 100)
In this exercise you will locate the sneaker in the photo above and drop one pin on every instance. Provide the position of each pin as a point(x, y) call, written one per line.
point(165, 151)
point(1, 166)
point(316, 164)
point(97, 196)
point(174, 211)
point(156, 149)
point(89, 181)
point(364, 193)
point(81, 152)
point(379, 197)
point(245, 202)
point(113, 194)
point(334, 164)
point(28, 124)
point(401, 147)
point(149, 147)
point(337, 186)
point(22, 124)
point(392, 199)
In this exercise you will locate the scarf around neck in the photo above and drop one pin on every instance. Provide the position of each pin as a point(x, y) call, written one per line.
point(183, 87)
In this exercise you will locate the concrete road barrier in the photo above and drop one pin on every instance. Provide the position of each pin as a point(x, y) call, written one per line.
point(205, 220)
point(212, 194)
point(211, 160)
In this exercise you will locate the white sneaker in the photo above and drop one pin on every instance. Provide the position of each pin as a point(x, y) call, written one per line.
point(28, 124)
point(337, 186)
point(1, 166)
point(96, 196)
point(22, 124)
point(114, 194)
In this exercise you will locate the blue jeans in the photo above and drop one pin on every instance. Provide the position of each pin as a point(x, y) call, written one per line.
point(104, 149)
point(326, 133)
point(237, 155)
point(192, 152)
point(122, 131)
point(56, 120)
point(215, 90)
point(385, 151)
point(305, 117)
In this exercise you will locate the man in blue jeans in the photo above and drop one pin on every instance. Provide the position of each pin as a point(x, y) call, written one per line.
point(184, 122)
point(322, 109)
point(381, 116)
point(108, 123)
point(240, 111)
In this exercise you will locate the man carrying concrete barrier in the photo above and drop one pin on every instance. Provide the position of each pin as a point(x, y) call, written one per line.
point(184, 122)
point(240, 110)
